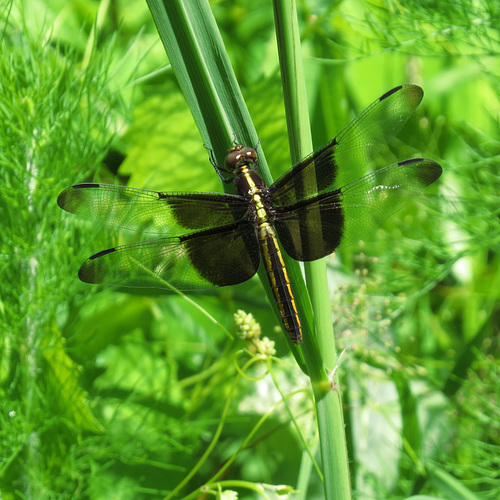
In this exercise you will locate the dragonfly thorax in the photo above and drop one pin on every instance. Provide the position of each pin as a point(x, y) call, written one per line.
point(248, 182)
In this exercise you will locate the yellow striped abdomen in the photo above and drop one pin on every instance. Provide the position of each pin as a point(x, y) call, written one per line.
point(279, 281)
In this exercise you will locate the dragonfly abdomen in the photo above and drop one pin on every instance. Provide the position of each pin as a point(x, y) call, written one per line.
point(279, 281)
point(250, 184)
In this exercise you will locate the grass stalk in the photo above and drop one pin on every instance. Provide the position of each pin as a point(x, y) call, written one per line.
point(319, 348)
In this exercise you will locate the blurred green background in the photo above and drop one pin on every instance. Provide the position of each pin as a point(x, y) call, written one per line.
point(106, 394)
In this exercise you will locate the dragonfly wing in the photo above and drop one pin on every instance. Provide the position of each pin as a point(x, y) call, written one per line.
point(316, 227)
point(151, 211)
point(201, 260)
point(346, 157)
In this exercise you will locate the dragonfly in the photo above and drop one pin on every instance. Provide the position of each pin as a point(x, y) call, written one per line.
point(320, 205)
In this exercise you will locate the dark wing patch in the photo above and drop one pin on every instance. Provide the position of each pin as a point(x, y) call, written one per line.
point(197, 261)
point(151, 211)
point(316, 227)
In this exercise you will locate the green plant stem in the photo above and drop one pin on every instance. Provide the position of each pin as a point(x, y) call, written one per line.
point(319, 348)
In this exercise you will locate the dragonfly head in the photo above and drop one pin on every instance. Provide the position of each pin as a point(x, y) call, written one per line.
point(238, 155)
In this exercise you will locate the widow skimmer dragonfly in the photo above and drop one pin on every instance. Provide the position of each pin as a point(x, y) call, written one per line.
point(318, 206)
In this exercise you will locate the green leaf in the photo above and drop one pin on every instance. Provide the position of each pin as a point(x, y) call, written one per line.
point(449, 486)
point(67, 389)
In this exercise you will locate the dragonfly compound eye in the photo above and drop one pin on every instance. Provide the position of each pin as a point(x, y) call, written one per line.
point(249, 155)
point(232, 158)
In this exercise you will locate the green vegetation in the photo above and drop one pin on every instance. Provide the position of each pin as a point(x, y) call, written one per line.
point(107, 394)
